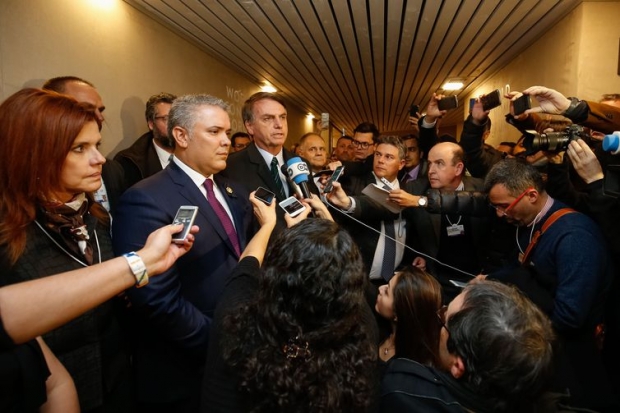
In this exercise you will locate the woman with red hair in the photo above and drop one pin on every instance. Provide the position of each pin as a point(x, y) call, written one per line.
point(49, 166)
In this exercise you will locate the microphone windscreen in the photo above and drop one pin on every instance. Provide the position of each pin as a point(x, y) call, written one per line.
point(297, 170)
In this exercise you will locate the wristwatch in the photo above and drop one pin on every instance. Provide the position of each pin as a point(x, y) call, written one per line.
point(422, 201)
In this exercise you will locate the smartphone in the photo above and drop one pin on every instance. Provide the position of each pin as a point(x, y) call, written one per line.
point(329, 185)
point(472, 102)
point(414, 109)
point(521, 104)
point(448, 103)
point(264, 195)
point(491, 100)
point(186, 216)
point(292, 206)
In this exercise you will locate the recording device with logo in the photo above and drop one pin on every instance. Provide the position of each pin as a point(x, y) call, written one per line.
point(553, 141)
point(264, 195)
point(521, 104)
point(447, 103)
point(491, 100)
point(330, 183)
point(186, 216)
point(292, 206)
point(298, 172)
point(387, 185)
point(414, 109)
point(611, 182)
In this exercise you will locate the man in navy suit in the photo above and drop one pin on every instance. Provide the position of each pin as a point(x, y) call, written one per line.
point(265, 118)
point(172, 314)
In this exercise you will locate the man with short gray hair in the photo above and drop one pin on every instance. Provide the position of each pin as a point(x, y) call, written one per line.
point(172, 316)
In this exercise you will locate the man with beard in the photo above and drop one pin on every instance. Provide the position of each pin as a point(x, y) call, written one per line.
point(151, 152)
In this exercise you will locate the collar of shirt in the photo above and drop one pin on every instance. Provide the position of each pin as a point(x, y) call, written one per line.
point(461, 187)
point(164, 157)
point(196, 177)
point(268, 157)
point(413, 174)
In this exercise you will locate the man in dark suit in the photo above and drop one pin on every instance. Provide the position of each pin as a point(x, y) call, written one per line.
point(381, 255)
point(172, 314)
point(453, 239)
point(265, 118)
point(150, 153)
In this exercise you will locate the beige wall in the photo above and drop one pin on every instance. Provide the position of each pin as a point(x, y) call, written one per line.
point(126, 54)
point(578, 57)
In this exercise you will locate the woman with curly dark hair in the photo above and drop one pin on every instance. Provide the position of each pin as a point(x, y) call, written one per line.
point(297, 334)
point(410, 302)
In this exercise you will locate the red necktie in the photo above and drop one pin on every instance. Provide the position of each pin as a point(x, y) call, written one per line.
point(222, 215)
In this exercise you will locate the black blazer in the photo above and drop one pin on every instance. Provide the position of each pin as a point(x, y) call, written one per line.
point(248, 167)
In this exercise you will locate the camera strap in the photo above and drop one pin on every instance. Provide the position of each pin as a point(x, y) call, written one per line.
point(548, 222)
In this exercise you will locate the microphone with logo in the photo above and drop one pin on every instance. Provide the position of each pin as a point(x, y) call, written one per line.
point(298, 172)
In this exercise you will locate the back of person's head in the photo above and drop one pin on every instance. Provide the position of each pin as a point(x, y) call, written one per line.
point(37, 130)
point(301, 345)
point(516, 176)
point(151, 104)
point(506, 344)
point(59, 84)
point(183, 110)
point(368, 127)
point(247, 112)
point(417, 298)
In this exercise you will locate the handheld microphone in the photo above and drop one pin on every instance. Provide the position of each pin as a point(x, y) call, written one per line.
point(292, 184)
point(298, 172)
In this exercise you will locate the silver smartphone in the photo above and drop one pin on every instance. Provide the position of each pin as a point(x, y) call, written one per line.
point(292, 206)
point(186, 216)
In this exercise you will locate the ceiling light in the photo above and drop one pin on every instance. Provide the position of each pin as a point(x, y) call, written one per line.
point(268, 87)
point(310, 115)
point(453, 84)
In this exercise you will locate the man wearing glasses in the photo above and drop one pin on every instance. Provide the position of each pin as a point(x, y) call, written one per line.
point(564, 254)
point(365, 136)
point(151, 152)
point(495, 350)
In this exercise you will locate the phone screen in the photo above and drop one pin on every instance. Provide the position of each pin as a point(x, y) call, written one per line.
point(447, 103)
point(264, 195)
point(521, 104)
point(329, 186)
point(414, 109)
point(186, 216)
point(292, 206)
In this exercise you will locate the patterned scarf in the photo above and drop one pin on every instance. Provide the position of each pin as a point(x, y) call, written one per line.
point(67, 220)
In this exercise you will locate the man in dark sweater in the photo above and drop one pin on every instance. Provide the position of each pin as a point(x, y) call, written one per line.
point(567, 260)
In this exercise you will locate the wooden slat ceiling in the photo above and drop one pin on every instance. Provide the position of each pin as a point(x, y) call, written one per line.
point(361, 60)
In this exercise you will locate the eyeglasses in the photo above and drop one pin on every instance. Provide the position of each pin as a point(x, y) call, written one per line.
point(359, 144)
point(505, 210)
point(441, 316)
point(162, 118)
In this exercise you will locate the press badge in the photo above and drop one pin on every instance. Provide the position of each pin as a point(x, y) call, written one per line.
point(455, 230)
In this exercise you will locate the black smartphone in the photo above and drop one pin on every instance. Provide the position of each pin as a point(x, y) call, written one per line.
point(521, 104)
point(292, 206)
point(447, 103)
point(186, 216)
point(491, 100)
point(264, 195)
point(414, 109)
point(330, 183)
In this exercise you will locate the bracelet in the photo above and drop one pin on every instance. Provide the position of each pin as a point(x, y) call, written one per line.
point(137, 268)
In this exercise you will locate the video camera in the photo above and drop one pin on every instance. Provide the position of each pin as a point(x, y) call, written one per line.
point(554, 141)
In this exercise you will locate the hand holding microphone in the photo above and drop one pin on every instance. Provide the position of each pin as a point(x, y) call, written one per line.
point(298, 172)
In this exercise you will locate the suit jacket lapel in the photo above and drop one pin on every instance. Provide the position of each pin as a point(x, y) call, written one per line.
point(262, 170)
point(189, 190)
